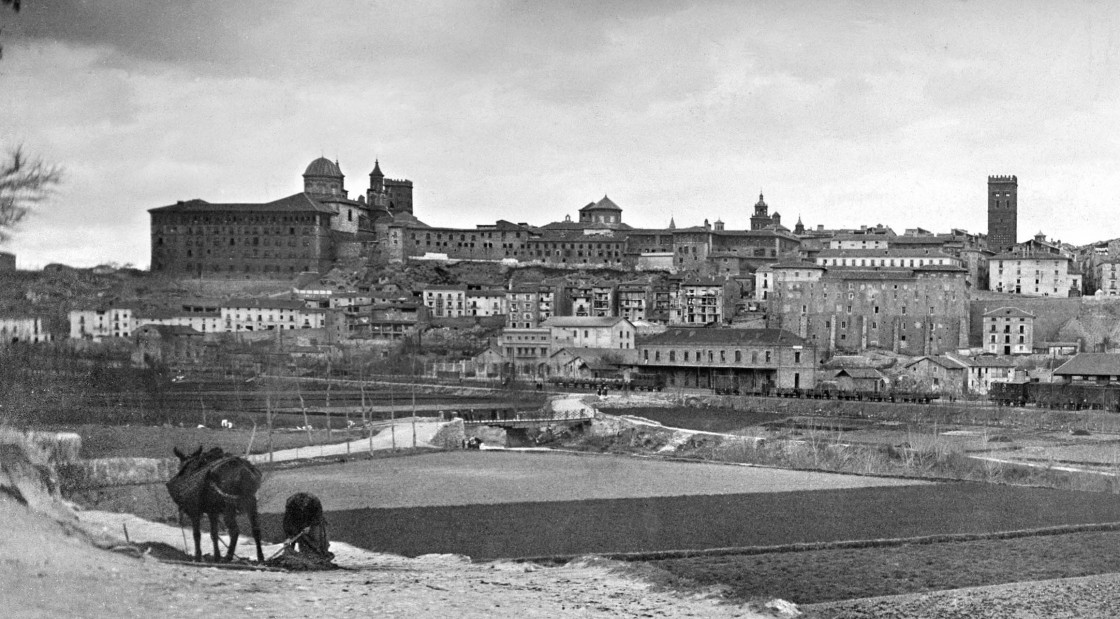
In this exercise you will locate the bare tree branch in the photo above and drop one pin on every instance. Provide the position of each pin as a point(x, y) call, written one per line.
point(24, 183)
point(15, 7)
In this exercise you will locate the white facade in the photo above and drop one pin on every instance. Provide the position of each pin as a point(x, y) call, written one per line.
point(1034, 275)
point(861, 241)
point(576, 332)
point(1107, 273)
point(269, 315)
point(894, 258)
point(697, 304)
point(22, 329)
point(981, 377)
point(98, 324)
point(446, 301)
point(486, 303)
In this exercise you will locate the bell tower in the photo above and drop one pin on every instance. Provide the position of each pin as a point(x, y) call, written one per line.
point(1003, 212)
point(761, 217)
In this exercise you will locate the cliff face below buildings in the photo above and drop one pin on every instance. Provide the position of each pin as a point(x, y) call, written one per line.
point(1090, 321)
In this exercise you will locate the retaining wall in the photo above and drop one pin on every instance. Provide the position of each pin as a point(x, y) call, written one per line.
point(961, 414)
point(450, 435)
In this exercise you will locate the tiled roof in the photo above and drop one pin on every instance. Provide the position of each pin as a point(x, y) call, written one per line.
point(952, 268)
point(604, 204)
point(797, 264)
point(934, 239)
point(264, 303)
point(1008, 312)
point(295, 203)
point(1091, 364)
point(860, 372)
point(767, 232)
point(486, 293)
point(949, 363)
point(582, 321)
point(990, 361)
point(451, 287)
point(882, 253)
point(1007, 255)
point(730, 337)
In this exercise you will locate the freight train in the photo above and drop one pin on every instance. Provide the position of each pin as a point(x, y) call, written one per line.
point(636, 382)
point(1064, 396)
point(732, 385)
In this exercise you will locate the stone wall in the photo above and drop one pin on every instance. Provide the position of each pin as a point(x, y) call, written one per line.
point(450, 435)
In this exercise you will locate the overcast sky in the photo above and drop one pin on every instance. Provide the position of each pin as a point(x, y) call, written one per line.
point(842, 113)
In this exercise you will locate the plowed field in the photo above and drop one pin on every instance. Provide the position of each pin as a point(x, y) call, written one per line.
point(490, 505)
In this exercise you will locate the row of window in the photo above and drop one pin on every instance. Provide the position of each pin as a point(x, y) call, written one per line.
point(239, 230)
point(191, 267)
point(232, 219)
point(699, 356)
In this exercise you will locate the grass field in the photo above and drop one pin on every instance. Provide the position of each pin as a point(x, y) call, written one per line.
point(826, 575)
point(100, 441)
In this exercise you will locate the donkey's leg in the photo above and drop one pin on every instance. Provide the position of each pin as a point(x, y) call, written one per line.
point(196, 531)
point(234, 531)
point(255, 524)
point(214, 536)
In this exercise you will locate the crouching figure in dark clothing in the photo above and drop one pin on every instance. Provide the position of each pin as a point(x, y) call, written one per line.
point(304, 521)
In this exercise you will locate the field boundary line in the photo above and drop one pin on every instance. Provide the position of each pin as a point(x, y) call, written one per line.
point(695, 460)
point(657, 555)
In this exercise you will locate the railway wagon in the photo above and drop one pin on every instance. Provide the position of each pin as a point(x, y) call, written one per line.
point(1063, 396)
point(825, 393)
point(1008, 394)
point(646, 382)
point(636, 382)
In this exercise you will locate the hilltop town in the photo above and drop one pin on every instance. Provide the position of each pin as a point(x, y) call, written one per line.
point(320, 277)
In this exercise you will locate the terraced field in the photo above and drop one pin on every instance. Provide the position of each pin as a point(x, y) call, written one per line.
point(493, 505)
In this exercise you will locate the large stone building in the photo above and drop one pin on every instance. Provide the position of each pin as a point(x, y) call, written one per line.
point(1008, 331)
point(915, 311)
point(307, 231)
point(750, 359)
point(1003, 212)
point(1033, 274)
point(1105, 275)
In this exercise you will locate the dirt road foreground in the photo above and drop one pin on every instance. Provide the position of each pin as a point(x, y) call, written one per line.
point(52, 569)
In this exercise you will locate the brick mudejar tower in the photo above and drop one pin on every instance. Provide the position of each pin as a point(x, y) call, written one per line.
point(1003, 212)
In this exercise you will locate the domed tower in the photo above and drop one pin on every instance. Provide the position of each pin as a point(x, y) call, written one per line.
point(761, 217)
point(324, 178)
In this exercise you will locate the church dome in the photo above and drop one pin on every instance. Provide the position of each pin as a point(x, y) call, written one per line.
point(322, 167)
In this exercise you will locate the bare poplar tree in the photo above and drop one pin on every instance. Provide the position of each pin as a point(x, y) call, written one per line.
point(24, 183)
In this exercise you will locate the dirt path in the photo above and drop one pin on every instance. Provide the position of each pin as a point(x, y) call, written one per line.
point(404, 433)
point(48, 570)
